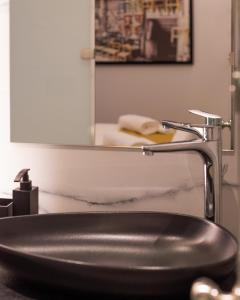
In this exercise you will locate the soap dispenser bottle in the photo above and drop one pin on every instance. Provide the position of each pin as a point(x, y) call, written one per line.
point(25, 198)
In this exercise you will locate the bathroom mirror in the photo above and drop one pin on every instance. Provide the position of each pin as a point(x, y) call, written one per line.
point(59, 96)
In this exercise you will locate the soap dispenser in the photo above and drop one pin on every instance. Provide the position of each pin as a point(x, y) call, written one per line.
point(25, 197)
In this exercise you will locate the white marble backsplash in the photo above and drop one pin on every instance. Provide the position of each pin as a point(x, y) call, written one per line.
point(182, 199)
point(136, 199)
point(186, 198)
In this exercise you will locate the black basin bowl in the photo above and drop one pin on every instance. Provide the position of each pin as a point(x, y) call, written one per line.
point(129, 254)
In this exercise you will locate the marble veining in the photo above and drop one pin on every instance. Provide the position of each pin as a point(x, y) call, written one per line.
point(176, 198)
point(125, 199)
point(116, 196)
point(179, 198)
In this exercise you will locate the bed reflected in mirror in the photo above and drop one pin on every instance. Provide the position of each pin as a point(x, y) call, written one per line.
point(130, 91)
point(155, 60)
point(136, 131)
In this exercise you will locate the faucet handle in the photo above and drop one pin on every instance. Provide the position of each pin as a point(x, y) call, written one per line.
point(205, 288)
point(210, 119)
point(203, 131)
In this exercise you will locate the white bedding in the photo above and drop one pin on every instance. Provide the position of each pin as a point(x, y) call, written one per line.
point(104, 132)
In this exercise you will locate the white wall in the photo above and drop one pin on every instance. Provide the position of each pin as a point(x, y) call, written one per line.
point(166, 92)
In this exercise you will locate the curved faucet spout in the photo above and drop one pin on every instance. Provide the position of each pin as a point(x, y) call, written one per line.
point(193, 145)
point(210, 151)
point(198, 130)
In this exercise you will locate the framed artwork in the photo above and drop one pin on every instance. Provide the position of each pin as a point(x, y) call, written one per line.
point(143, 31)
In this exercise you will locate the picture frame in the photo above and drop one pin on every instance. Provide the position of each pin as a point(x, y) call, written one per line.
point(144, 31)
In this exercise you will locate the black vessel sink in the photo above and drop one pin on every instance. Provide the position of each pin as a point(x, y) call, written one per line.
point(129, 254)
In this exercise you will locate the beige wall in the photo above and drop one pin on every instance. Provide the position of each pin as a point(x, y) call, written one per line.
point(167, 91)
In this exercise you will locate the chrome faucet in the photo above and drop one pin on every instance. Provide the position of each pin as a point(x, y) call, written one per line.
point(205, 288)
point(208, 144)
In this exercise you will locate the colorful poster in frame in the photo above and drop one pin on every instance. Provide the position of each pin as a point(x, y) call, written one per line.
point(143, 31)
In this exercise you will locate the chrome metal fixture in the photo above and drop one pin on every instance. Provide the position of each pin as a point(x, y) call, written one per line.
point(206, 289)
point(208, 144)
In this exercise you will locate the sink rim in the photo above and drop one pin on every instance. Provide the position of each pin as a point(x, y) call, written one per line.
point(23, 253)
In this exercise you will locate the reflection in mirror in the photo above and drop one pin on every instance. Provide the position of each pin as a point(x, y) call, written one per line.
point(164, 91)
point(51, 85)
point(143, 31)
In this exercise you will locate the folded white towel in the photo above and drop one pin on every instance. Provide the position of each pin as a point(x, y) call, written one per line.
point(116, 138)
point(141, 124)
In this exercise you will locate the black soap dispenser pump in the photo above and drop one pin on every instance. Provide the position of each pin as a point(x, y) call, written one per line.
point(25, 198)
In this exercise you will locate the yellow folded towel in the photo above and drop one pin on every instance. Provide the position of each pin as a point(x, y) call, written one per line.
point(140, 124)
point(154, 138)
point(118, 138)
